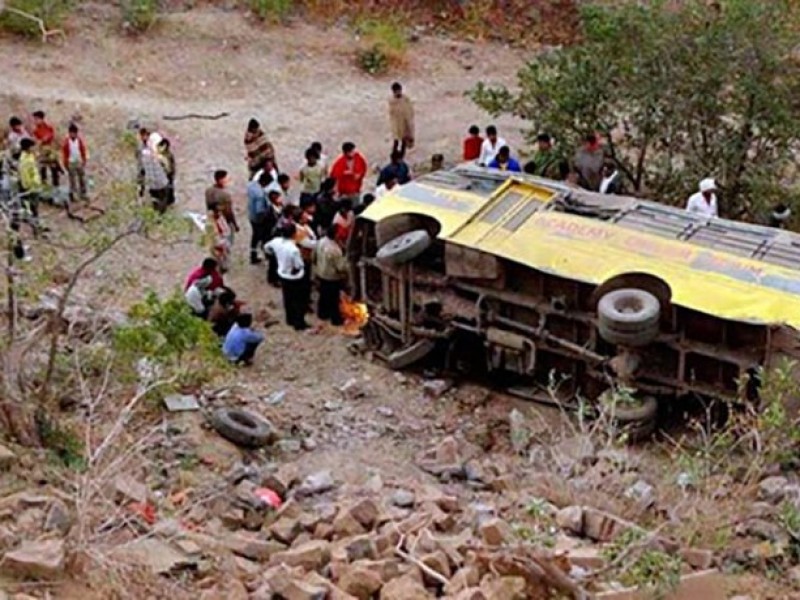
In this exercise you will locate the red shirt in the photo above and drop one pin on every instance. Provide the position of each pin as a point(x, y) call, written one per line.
point(44, 133)
point(472, 147)
point(349, 173)
point(199, 273)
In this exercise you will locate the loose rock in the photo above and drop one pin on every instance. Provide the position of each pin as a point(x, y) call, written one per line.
point(360, 582)
point(316, 483)
point(7, 457)
point(38, 560)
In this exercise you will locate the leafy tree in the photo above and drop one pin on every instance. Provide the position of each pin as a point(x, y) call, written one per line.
point(677, 95)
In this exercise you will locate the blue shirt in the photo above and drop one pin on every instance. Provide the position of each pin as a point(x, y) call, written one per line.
point(256, 202)
point(237, 339)
point(511, 165)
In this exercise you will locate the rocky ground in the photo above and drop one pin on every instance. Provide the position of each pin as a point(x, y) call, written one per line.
point(391, 486)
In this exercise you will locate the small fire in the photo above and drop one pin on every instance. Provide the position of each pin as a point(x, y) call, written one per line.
point(355, 314)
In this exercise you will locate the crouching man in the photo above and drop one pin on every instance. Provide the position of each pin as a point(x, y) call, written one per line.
point(242, 341)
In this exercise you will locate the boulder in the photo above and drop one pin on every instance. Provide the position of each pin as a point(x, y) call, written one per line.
point(697, 558)
point(504, 588)
point(438, 562)
point(773, 489)
point(360, 582)
point(7, 457)
point(36, 560)
point(252, 546)
point(127, 489)
point(495, 532)
point(365, 512)
point(406, 587)
point(285, 530)
point(465, 578)
point(346, 525)
point(447, 451)
point(361, 547)
point(571, 519)
point(316, 483)
point(311, 556)
point(286, 584)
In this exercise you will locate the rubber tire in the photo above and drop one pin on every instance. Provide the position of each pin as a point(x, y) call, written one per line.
point(406, 357)
point(623, 413)
point(628, 310)
point(633, 339)
point(405, 248)
point(243, 428)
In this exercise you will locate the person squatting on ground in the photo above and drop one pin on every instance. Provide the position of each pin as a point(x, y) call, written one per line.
point(241, 342)
point(331, 270)
point(290, 270)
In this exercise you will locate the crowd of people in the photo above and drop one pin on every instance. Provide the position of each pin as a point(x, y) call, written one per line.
point(300, 216)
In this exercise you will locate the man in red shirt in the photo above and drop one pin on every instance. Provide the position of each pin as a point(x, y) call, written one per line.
point(349, 170)
point(209, 268)
point(45, 136)
point(472, 144)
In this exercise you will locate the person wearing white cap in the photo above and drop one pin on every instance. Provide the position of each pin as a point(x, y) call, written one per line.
point(704, 202)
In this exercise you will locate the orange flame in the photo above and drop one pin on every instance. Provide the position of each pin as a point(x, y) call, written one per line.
point(355, 314)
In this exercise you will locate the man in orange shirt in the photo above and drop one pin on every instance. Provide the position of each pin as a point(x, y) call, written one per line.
point(45, 136)
point(349, 170)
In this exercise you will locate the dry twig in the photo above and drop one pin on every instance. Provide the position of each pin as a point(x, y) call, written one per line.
point(46, 33)
point(433, 574)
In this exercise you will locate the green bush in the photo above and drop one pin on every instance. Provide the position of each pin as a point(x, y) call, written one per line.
point(138, 16)
point(384, 45)
point(52, 12)
point(276, 10)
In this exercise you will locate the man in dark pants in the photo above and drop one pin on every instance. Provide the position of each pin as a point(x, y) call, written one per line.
point(241, 342)
point(290, 271)
point(274, 209)
point(330, 267)
point(257, 212)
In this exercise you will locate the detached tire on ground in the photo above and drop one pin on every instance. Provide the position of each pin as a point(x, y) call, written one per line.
point(629, 317)
point(243, 428)
point(405, 248)
point(637, 420)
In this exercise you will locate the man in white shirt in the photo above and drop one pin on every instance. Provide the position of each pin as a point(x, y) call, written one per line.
point(491, 146)
point(290, 271)
point(704, 202)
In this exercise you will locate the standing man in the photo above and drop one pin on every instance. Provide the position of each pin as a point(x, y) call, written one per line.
point(16, 133)
point(74, 156)
point(589, 163)
point(290, 271)
point(401, 117)
point(472, 144)
point(490, 146)
point(217, 196)
point(45, 135)
point(610, 183)
point(349, 170)
point(330, 267)
point(311, 175)
point(155, 178)
point(546, 162)
point(258, 148)
point(257, 212)
point(30, 180)
point(704, 202)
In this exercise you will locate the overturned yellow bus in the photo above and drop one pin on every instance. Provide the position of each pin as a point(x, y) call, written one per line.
point(529, 280)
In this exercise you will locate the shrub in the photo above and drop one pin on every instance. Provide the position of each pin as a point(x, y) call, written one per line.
point(384, 45)
point(275, 10)
point(138, 16)
point(52, 12)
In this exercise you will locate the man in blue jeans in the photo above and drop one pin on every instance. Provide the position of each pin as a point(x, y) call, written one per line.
point(242, 341)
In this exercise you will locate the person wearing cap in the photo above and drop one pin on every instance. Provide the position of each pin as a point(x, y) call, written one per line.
point(704, 202)
point(401, 118)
